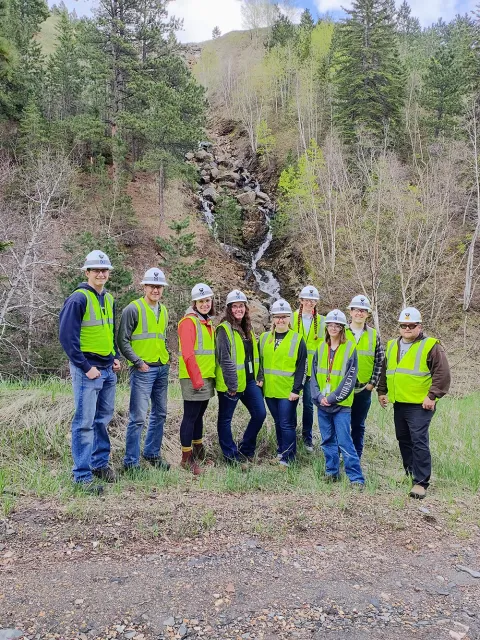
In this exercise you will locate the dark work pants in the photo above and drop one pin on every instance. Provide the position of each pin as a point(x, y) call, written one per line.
point(411, 428)
point(361, 404)
point(192, 422)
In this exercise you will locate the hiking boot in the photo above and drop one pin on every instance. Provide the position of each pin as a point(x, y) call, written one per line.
point(418, 492)
point(158, 463)
point(330, 477)
point(358, 486)
point(189, 463)
point(105, 473)
point(90, 488)
point(199, 452)
point(309, 448)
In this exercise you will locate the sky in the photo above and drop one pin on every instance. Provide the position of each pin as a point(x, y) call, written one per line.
point(201, 16)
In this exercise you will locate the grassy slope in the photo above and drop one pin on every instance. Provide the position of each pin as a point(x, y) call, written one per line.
point(35, 456)
point(47, 35)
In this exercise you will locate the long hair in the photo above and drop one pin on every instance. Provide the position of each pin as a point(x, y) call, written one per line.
point(244, 326)
point(342, 336)
point(315, 320)
point(212, 310)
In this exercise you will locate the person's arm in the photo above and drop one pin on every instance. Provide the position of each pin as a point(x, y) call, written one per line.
point(128, 324)
point(224, 358)
point(346, 386)
point(70, 324)
point(317, 395)
point(382, 388)
point(438, 366)
point(115, 344)
point(378, 362)
point(187, 334)
point(300, 368)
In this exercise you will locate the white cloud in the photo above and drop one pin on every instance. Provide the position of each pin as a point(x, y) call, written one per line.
point(427, 11)
point(201, 16)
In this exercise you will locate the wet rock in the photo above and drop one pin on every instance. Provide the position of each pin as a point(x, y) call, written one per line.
point(260, 320)
point(246, 198)
point(210, 194)
point(263, 197)
point(228, 176)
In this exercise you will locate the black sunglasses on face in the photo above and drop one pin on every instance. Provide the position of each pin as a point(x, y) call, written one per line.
point(409, 326)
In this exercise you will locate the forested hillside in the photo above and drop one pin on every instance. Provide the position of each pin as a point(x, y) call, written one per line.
point(362, 133)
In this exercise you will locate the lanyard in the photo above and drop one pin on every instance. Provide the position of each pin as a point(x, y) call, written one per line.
point(330, 362)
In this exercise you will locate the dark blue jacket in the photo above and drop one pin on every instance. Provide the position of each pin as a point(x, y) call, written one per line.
point(71, 317)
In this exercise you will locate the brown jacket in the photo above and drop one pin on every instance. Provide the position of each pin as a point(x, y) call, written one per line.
point(437, 364)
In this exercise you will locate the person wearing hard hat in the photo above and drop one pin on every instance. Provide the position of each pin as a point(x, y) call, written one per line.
point(196, 367)
point(311, 326)
point(370, 355)
point(141, 339)
point(334, 372)
point(283, 358)
point(87, 334)
point(415, 374)
point(238, 378)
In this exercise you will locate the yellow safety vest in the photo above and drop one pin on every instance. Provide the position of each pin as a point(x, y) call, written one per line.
point(279, 364)
point(410, 379)
point(148, 339)
point(366, 353)
point(312, 340)
point(237, 353)
point(96, 332)
point(342, 355)
point(204, 350)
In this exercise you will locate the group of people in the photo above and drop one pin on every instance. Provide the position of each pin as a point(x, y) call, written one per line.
point(333, 362)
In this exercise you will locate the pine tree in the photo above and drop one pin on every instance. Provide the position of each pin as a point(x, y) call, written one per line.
point(216, 33)
point(283, 31)
point(406, 24)
point(442, 92)
point(369, 78)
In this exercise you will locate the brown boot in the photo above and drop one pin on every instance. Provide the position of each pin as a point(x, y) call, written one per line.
point(200, 453)
point(189, 463)
point(418, 492)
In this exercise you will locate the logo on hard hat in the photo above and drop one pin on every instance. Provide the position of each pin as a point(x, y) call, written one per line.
point(238, 294)
point(156, 275)
point(335, 315)
point(281, 304)
point(101, 256)
point(362, 300)
point(200, 289)
point(407, 315)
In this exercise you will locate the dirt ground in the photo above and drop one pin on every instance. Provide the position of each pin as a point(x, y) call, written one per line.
point(137, 567)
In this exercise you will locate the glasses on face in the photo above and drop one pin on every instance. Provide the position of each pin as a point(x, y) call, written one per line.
point(155, 286)
point(280, 317)
point(99, 271)
point(334, 325)
point(409, 326)
point(359, 310)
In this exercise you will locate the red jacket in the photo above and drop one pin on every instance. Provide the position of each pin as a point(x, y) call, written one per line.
point(187, 335)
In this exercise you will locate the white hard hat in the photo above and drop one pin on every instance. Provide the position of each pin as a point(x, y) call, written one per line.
point(154, 276)
point(309, 293)
point(97, 260)
point(280, 308)
point(410, 314)
point(236, 296)
point(336, 316)
point(360, 302)
point(201, 291)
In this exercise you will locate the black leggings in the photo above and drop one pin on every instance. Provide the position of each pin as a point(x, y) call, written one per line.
point(191, 428)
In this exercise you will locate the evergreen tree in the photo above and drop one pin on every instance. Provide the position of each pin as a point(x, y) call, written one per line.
point(369, 78)
point(216, 33)
point(8, 61)
point(442, 91)
point(283, 31)
point(304, 35)
point(406, 24)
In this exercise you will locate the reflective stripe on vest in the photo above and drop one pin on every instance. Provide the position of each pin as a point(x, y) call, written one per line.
point(366, 353)
point(238, 358)
point(205, 356)
point(278, 382)
point(411, 381)
point(311, 340)
point(149, 345)
point(336, 375)
point(96, 330)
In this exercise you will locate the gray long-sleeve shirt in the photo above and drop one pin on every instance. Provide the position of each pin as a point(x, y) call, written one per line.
point(128, 324)
point(344, 389)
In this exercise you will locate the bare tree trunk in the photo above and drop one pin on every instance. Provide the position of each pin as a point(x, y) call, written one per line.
point(161, 202)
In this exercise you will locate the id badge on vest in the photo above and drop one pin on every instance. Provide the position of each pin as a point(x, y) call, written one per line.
point(250, 367)
point(328, 389)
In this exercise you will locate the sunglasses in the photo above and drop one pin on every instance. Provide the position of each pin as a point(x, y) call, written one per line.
point(409, 326)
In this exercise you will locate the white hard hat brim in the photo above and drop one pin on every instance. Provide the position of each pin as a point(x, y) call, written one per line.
point(96, 266)
point(162, 284)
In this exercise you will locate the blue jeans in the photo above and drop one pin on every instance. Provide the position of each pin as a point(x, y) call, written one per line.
point(252, 398)
point(335, 432)
point(94, 404)
point(283, 413)
point(145, 386)
point(307, 414)
point(361, 404)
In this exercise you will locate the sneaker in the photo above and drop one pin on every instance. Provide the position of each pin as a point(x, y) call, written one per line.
point(283, 464)
point(90, 488)
point(279, 456)
point(418, 492)
point(309, 448)
point(105, 473)
point(330, 477)
point(158, 463)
